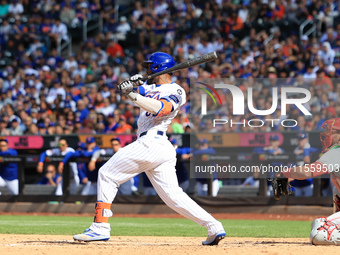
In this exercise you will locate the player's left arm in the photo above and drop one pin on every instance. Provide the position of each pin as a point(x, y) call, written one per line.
point(172, 101)
point(161, 107)
point(327, 163)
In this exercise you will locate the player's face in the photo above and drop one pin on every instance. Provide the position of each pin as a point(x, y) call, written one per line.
point(90, 146)
point(115, 146)
point(274, 144)
point(148, 71)
point(302, 142)
point(3, 146)
point(50, 170)
point(62, 145)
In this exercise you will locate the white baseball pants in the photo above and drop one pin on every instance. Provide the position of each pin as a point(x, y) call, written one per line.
point(12, 186)
point(155, 156)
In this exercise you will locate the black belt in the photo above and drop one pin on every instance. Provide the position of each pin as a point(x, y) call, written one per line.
point(158, 133)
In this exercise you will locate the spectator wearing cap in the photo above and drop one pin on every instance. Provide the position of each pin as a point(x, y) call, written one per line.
point(90, 187)
point(8, 171)
point(331, 72)
point(77, 125)
point(327, 54)
point(303, 156)
point(122, 29)
point(51, 129)
point(55, 92)
point(202, 183)
point(15, 128)
point(62, 150)
point(305, 42)
point(42, 128)
point(273, 147)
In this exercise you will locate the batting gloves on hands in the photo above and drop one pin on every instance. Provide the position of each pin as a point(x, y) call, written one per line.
point(136, 80)
point(125, 87)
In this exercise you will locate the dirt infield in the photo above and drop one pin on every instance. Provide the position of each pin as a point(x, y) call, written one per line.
point(50, 245)
point(150, 245)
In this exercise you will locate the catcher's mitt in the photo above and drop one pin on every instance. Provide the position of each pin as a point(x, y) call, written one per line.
point(280, 186)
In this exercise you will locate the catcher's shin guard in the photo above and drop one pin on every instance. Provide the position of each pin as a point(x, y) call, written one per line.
point(324, 232)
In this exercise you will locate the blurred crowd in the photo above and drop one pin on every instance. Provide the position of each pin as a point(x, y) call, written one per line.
point(44, 92)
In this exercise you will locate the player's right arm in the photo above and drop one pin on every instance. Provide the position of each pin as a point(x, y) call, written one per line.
point(95, 157)
point(42, 158)
point(71, 154)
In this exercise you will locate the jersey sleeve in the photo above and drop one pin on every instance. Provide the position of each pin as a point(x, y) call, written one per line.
point(176, 97)
point(331, 160)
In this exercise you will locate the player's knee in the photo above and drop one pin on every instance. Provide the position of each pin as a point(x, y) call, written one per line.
point(321, 234)
point(173, 195)
point(102, 173)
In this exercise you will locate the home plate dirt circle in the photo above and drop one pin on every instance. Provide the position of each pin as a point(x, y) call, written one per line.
point(151, 245)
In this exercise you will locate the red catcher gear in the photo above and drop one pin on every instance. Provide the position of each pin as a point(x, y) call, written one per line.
point(326, 137)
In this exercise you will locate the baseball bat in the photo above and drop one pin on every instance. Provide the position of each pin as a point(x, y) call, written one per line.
point(191, 62)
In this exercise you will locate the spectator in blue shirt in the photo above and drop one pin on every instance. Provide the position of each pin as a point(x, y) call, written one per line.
point(51, 177)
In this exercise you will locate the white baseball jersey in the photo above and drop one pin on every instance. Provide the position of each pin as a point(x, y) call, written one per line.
point(156, 156)
point(170, 92)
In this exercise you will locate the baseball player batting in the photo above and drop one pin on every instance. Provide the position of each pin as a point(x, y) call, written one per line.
point(325, 231)
point(151, 153)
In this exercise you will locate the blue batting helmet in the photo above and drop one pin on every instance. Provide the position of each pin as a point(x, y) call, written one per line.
point(159, 61)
